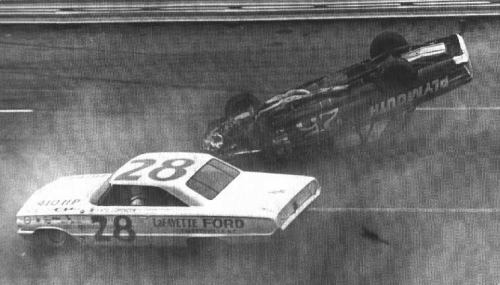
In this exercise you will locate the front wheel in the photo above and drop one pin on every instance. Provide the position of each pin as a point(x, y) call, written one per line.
point(241, 103)
point(53, 238)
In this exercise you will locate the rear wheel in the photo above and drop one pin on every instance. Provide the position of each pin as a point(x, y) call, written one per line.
point(399, 71)
point(198, 246)
point(241, 103)
point(386, 42)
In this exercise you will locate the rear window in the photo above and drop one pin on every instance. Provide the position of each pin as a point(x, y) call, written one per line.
point(212, 178)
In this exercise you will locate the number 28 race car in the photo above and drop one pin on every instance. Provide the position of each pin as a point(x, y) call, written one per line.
point(165, 199)
point(348, 108)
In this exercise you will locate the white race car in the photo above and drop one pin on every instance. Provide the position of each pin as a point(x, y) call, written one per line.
point(164, 199)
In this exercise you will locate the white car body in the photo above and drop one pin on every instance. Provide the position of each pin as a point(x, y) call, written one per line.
point(94, 208)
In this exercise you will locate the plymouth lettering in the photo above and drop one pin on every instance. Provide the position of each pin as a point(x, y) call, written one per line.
point(403, 98)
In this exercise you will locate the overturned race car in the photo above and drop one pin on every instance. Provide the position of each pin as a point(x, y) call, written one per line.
point(165, 199)
point(348, 108)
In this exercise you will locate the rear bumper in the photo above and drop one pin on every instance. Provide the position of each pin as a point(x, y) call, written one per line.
point(463, 60)
point(464, 57)
point(25, 233)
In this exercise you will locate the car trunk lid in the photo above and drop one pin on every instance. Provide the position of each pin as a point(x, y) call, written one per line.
point(281, 197)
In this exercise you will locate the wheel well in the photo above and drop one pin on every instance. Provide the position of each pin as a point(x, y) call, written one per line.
point(40, 231)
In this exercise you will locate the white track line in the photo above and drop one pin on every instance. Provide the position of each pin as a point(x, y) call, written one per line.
point(408, 210)
point(16, 110)
point(458, 109)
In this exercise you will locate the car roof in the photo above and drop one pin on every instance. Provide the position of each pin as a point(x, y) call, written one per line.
point(160, 169)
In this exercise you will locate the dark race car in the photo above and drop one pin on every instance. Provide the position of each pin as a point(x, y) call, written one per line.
point(351, 107)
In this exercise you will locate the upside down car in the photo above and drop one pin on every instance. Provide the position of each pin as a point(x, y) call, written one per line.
point(165, 199)
point(348, 108)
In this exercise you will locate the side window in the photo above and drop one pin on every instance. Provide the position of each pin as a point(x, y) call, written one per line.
point(158, 197)
point(116, 195)
point(132, 195)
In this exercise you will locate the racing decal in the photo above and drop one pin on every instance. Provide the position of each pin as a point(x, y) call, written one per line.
point(318, 123)
point(128, 175)
point(114, 210)
point(178, 165)
point(403, 98)
point(102, 225)
point(175, 223)
point(66, 202)
point(179, 170)
point(220, 225)
point(123, 224)
point(120, 224)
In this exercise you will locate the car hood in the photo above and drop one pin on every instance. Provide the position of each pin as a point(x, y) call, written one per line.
point(66, 195)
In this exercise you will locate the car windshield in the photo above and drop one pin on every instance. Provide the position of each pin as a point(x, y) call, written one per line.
point(212, 178)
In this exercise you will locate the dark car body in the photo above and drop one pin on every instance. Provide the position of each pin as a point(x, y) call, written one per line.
point(350, 107)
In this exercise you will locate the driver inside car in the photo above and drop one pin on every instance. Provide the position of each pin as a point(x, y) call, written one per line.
point(137, 196)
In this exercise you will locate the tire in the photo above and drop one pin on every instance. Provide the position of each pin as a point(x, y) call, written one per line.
point(239, 104)
point(197, 246)
point(399, 71)
point(386, 42)
point(194, 245)
point(53, 238)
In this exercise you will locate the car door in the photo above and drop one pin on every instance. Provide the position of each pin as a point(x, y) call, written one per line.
point(118, 225)
point(163, 219)
point(128, 214)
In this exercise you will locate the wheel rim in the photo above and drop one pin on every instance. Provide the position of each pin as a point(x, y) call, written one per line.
point(56, 237)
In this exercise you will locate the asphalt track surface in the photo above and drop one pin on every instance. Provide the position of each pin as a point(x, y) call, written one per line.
point(100, 94)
